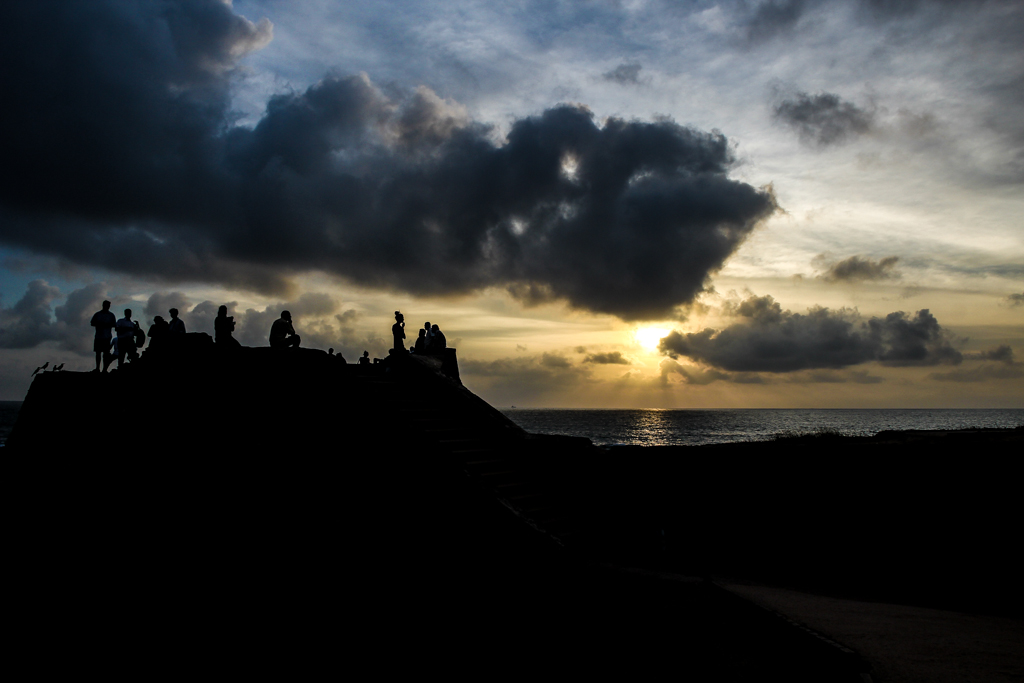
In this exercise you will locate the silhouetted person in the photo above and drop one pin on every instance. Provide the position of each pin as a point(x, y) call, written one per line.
point(438, 342)
point(282, 334)
point(426, 337)
point(398, 332)
point(177, 325)
point(223, 326)
point(125, 328)
point(104, 322)
point(421, 342)
point(158, 331)
point(365, 358)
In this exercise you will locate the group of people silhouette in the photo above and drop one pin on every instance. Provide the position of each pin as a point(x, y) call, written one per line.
point(122, 339)
point(430, 339)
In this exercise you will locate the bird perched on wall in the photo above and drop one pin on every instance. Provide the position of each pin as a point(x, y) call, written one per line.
point(58, 368)
point(40, 368)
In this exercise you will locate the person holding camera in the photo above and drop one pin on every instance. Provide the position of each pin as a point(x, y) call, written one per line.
point(223, 326)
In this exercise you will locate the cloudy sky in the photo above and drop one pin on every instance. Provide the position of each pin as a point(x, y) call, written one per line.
point(646, 203)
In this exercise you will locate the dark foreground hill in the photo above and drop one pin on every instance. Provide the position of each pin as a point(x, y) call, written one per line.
point(260, 503)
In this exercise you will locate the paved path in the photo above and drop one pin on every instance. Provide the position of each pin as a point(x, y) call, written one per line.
point(905, 644)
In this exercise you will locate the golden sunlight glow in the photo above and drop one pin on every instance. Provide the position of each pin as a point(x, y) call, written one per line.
point(648, 337)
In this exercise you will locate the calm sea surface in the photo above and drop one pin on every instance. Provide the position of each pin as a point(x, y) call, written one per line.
point(695, 427)
point(8, 413)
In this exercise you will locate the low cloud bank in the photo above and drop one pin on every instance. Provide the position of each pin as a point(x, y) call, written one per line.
point(767, 338)
point(34, 320)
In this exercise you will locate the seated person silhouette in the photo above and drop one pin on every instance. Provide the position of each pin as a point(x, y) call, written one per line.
point(365, 358)
point(223, 326)
point(175, 337)
point(177, 325)
point(157, 331)
point(438, 342)
point(282, 334)
point(421, 342)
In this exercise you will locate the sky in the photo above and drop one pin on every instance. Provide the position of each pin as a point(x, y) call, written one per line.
point(635, 204)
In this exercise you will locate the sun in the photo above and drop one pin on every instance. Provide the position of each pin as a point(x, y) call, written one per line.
point(648, 337)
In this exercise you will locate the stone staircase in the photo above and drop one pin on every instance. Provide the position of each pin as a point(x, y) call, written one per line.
point(492, 451)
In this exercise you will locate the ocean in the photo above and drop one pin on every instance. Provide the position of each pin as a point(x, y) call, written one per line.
point(8, 413)
point(698, 427)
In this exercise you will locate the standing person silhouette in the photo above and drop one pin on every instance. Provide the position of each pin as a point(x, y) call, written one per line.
point(125, 328)
point(421, 342)
point(282, 333)
point(103, 321)
point(398, 332)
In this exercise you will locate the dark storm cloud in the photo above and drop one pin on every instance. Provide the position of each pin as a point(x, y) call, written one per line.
point(120, 151)
point(770, 339)
point(1015, 299)
point(772, 18)
point(857, 269)
point(610, 358)
point(624, 74)
point(823, 119)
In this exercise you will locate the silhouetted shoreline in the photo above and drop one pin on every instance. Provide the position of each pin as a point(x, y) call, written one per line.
point(286, 474)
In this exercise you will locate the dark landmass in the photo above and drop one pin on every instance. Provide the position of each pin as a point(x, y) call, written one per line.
point(917, 517)
point(265, 496)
